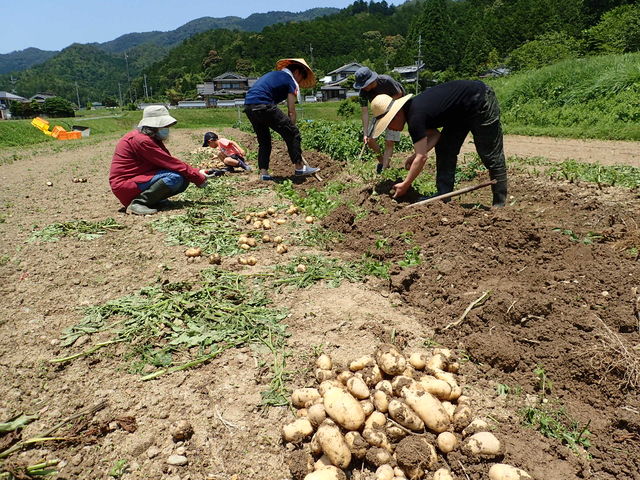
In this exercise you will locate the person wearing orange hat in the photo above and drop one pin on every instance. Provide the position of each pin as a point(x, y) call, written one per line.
point(261, 108)
point(441, 117)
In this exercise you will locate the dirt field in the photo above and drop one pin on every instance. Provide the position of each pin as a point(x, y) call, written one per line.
point(556, 304)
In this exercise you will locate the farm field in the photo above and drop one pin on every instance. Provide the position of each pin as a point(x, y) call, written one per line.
point(100, 317)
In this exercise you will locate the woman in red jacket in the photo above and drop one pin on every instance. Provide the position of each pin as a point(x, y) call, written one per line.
point(143, 172)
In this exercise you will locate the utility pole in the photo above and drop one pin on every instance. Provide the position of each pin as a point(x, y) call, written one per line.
point(120, 94)
point(126, 59)
point(418, 62)
point(146, 92)
point(78, 96)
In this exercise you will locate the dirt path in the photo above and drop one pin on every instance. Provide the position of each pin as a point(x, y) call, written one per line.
point(606, 152)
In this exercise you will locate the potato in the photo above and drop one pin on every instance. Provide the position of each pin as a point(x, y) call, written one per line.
point(357, 445)
point(438, 388)
point(376, 438)
point(371, 375)
point(281, 249)
point(215, 259)
point(333, 444)
point(389, 359)
point(367, 406)
point(193, 252)
point(456, 391)
point(362, 362)
point(358, 388)
point(477, 425)
point(343, 376)
point(314, 445)
point(304, 396)
point(251, 242)
point(252, 260)
point(327, 384)
point(309, 219)
point(428, 408)
point(449, 408)
point(410, 372)
point(245, 246)
point(322, 462)
point(502, 471)
point(405, 416)
point(297, 431)
point(384, 472)
point(442, 474)
point(376, 420)
point(462, 417)
point(381, 401)
point(301, 268)
point(316, 414)
point(266, 224)
point(445, 352)
point(242, 239)
point(291, 210)
point(453, 367)
point(394, 432)
point(418, 360)
point(379, 456)
point(483, 444)
point(385, 386)
point(277, 239)
point(302, 413)
point(266, 238)
point(322, 375)
point(436, 362)
point(257, 224)
point(327, 473)
point(324, 362)
point(399, 382)
point(447, 442)
point(242, 260)
point(397, 471)
point(262, 214)
point(344, 409)
point(280, 221)
point(272, 210)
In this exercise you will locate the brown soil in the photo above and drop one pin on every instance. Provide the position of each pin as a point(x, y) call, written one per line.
point(554, 303)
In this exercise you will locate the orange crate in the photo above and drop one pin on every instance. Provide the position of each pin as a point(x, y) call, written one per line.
point(69, 135)
point(57, 130)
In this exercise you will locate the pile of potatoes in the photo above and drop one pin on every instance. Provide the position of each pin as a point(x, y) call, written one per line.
point(391, 413)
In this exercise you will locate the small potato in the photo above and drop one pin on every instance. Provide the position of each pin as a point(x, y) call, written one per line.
point(436, 362)
point(301, 268)
point(502, 471)
point(384, 472)
point(193, 252)
point(344, 409)
point(272, 210)
point(328, 384)
point(324, 362)
point(362, 362)
point(357, 445)
point(301, 397)
point(483, 444)
point(377, 438)
point(280, 221)
point(252, 260)
point(251, 242)
point(266, 224)
point(343, 376)
point(477, 425)
point(438, 388)
point(462, 417)
point(367, 407)
point(445, 352)
point(327, 473)
point(405, 416)
point(394, 432)
point(371, 375)
point(333, 445)
point(309, 219)
point(385, 386)
point(389, 359)
point(245, 246)
point(215, 259)
point(281, 249)
point(316, 414)
point(376, 420)
point(297, 431)
point(381, 401)
point(411, 448)
point(418, 360)
point(322, 375)
point(257, 224)
point(277, 239)
point(449, 407)
point(302, 413)
point(358, 388)
point(242, 239)
point(314, 445)
point(322, 462)
point(248, 218)
point(266, 238)
point(262, 214)
point(401, 381)
point(242, 260)
point(442, 474)
point(453, 367)
point(447, 442)
point(428, 408)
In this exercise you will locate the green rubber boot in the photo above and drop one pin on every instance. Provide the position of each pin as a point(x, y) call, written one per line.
point(144, 203)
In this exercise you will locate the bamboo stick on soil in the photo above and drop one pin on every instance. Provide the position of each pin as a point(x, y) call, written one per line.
point(455, 193)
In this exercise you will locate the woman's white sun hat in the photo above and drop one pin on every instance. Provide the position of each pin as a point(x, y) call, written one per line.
point(383, 109)
point(156, 116)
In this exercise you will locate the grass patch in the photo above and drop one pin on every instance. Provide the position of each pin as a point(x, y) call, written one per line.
point(554, 422)
point(80, 229)
point(318, 203)
point(317, 236)
point(177, 326)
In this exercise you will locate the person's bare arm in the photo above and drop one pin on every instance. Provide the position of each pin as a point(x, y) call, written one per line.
point(365, 122)
point(421, 148)
point(291, 107)
point(240, 149)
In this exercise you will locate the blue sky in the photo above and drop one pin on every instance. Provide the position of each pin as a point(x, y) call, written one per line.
point(54, 25)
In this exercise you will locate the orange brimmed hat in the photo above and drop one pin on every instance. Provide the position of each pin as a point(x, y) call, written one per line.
point(308, 82)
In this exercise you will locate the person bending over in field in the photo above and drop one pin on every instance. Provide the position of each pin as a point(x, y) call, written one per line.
point(231, 154)
point(261, 108)
point(457, 108)
point(371, 85)
point(143, 173)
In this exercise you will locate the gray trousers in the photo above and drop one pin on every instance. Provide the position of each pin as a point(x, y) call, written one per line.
point(486, 129)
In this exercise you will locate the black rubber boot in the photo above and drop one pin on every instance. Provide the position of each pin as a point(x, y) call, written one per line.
point(499, 189)
point(144, 203)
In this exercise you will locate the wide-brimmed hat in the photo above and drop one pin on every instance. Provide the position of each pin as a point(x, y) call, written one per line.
point(308, 82)
point(364, 76)
point(384, 108)
point(156, 116)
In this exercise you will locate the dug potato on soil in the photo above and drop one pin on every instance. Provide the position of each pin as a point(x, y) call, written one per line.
point(333, 445)
point(327, 473)
point(390, 360)
point(501, 471)
point(415, 456)
point(344, 409)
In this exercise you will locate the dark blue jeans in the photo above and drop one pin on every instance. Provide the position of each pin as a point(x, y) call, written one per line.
point(173, 180)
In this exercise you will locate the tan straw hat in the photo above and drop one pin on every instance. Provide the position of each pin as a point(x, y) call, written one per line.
point(384, 108)
point(308, 82)
point(156, 116)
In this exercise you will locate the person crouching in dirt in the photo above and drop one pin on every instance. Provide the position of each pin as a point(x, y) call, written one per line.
point(371, 85)
point(143, 173)
point(261, 108)
point(457, 108)
point(231, 154)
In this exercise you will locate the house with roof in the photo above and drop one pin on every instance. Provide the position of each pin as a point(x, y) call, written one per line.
point(343, 72)
point(5, 102)
point(409, 73)
point(335, 87)
point(227, 85)
point(41, 97)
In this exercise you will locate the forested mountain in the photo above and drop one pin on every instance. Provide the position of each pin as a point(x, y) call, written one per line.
point(23, 59)
point(455, 39)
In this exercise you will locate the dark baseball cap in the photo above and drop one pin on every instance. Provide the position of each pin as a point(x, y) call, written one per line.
point(209, 136)
point(364, 76)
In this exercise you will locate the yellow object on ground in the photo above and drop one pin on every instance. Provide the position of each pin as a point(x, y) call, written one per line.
point(41, 124)
point(58, 132)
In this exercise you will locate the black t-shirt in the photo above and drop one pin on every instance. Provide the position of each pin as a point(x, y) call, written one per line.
point(444, 105)
point(385, 85)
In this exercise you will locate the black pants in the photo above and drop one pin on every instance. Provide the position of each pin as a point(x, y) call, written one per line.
point(487, 135)
point(265, 117)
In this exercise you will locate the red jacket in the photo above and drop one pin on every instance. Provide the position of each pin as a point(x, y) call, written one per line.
point(137, 159)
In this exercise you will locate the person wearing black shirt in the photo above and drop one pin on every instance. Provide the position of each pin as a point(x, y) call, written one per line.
point(441, 117)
